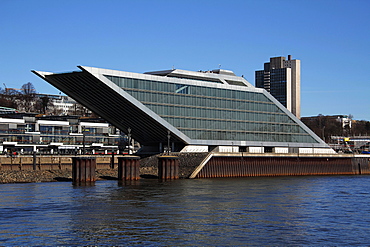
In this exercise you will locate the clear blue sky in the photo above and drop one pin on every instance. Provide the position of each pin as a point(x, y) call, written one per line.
point(331, 38)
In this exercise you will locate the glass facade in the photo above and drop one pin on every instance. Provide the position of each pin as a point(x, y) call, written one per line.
point(279, 86)
point(211, 113)
point(275, 82)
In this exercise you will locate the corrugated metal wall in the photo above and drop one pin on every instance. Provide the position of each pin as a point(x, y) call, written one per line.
point(278, 166)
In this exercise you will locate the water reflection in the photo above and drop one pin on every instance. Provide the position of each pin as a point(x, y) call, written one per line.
point(206, 212)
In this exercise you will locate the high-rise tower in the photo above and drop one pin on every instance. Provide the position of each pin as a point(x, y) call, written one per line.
point(282, 78)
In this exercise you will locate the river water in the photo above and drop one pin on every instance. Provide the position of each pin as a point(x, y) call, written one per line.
point(268, 211)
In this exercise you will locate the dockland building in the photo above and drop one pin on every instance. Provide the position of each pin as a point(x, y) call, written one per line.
point(193, 111)
point(282, 78)
point(26, 133)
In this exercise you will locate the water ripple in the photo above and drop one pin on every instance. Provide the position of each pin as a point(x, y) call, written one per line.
point(280, 211)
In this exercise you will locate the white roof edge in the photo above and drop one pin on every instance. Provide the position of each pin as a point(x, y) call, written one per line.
point(206, 75)
point(94, 70)
point(42, 73)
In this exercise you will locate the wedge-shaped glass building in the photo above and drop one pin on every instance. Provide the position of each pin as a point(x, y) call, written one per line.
point(199, 109)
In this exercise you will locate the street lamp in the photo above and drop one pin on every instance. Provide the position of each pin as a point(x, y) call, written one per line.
point(129, 140)
point(168, 141)
point(83, 140)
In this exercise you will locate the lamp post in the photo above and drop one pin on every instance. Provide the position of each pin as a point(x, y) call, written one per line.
point(129, 140)
point(83, 140)
point(168, 141)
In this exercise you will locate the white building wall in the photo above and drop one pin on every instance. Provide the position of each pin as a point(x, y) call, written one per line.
point(255, 149)
point(295, 66)
point(281, 150)
point(227, 149)
point(289, 83)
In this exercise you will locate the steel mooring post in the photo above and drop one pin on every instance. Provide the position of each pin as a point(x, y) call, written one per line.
point(128, 168)
point(168, 167)
point(112, 160)
point(83, 170)
point(34, 160)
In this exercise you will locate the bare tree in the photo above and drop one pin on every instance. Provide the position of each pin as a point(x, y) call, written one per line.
point(28, 89)
point(8, 97)
point(27, 97)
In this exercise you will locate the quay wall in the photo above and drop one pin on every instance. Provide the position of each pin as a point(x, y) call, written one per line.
point(192, 165)
point(59, 168)
point(49, 162)
point(247, 165)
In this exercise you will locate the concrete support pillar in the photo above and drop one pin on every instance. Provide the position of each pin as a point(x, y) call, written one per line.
point(168, 167)
point(128, 168)
point(83, 170)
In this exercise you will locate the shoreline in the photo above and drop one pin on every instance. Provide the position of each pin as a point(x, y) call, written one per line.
point(42, 176)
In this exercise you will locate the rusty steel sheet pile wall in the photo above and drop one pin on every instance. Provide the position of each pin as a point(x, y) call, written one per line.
point(362, 165)
point(276, 166)
point(83, 170)
point(168, 167)
point(129, 168)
